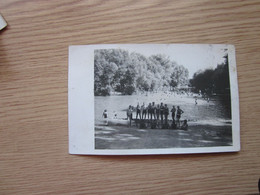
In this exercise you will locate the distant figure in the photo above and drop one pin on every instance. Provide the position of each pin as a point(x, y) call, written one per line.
point(105, 116)
point(179, 113)
point(154, 110)
point(173, 110)
point(150, 114)
point(196, 101)
point(138, 111)
point(144, 111)
point(157, 111)
point(115, 115)
point(184, 125)
point(129, 113)
point(166, 113)
point(161, 111)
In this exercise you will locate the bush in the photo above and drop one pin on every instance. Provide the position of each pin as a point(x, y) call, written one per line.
point(129, 90)
point(104, 91)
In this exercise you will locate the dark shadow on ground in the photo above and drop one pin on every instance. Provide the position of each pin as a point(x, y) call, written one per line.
point(122, 137)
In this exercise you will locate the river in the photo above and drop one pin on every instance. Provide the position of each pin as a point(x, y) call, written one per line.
point(212, 112)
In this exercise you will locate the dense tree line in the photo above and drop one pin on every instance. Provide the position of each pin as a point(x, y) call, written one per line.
point(117, 70)
point(212, 81)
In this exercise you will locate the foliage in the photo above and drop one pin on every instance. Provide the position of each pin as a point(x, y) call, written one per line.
point(212, 81)
point(117, 70)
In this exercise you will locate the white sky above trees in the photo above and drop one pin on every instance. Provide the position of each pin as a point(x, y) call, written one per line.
point(194, 57)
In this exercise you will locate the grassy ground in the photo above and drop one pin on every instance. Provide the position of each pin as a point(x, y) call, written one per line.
point(123, 137)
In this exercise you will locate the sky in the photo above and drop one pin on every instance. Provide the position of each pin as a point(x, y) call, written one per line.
point(192, 56)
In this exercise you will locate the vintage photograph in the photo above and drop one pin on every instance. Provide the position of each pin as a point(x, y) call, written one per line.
point(153, 99)
point(175, 97)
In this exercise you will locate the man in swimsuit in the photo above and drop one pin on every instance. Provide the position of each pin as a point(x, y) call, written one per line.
point(149, 108)
point(173, 110)
point(129, 113)
point(178, 115)
point(144, 111)
point(153, 110)
point(166, 113)
point(138, 111)
point(157, 111)
point(161, 111)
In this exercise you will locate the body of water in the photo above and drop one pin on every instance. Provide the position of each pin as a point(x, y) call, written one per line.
point(212, 112)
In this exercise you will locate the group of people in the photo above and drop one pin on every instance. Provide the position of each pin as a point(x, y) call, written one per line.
point(152, 111)
point(157, 116)
point(156, 113)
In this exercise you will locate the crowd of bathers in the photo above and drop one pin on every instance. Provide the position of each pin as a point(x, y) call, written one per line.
point(159, 112)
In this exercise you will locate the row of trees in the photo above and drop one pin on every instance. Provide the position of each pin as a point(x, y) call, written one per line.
point(212, 81)
point(117, 70)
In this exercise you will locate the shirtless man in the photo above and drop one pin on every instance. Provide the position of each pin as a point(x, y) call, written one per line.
point(178, 114)
point(173, 110)
point(143, 111)
point(138, 111)
point(166, 113)
point(161, 111)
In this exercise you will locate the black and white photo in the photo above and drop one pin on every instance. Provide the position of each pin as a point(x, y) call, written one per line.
point(153, 99)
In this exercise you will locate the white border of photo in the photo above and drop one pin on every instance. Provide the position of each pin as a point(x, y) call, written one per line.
point(3, 23)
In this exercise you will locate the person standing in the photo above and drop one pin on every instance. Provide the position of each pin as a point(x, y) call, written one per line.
point(129, 114)
point(138, 111)
point(144, 111)
point(157, 111)
point(154, 110)
point(178, 115)
point(149, 111)
point(179, 112)
point(105, 116)
point(161, 111)
point(173, 110)
point(166, 113)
